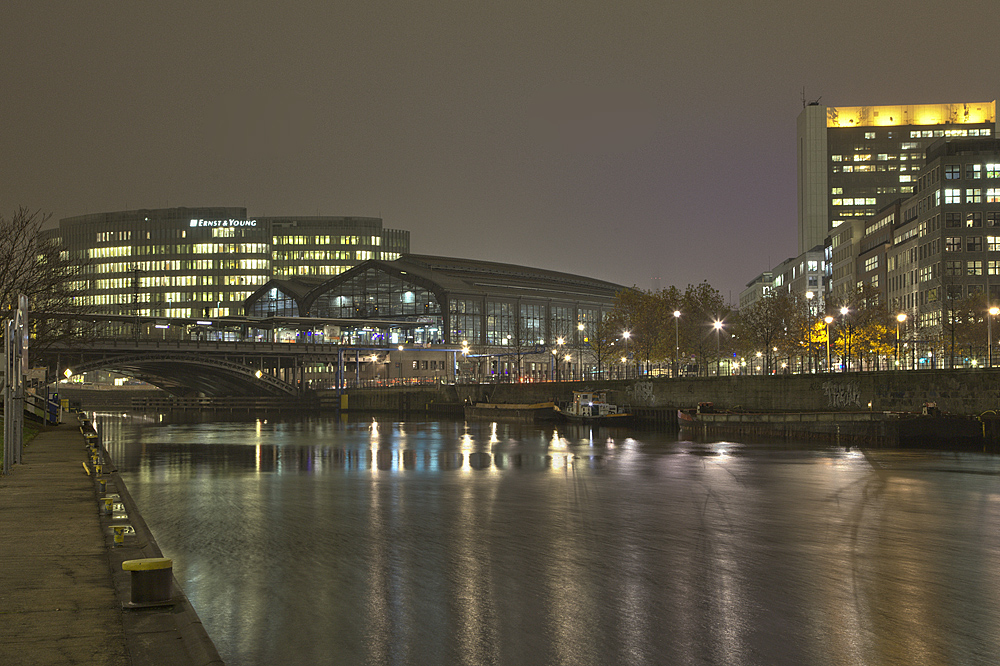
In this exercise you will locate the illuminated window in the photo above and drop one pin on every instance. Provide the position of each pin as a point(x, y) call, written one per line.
point(993, 243)
point(848, 169)
point(869, 135)
point(836, 158)
point(837, 190)
point(952, 196)
point(871, 263)
point(905, 179)
point(993, 195)
point(973, 268)
point(952, 171)
point(973, 196)
point(973, 171)
point(863, 157)
point(910, 145)
point(993, 170)
point(953, 244)
point(974, 219)
point(993, 267)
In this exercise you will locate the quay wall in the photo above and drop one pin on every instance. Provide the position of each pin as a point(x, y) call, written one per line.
point(966, 392)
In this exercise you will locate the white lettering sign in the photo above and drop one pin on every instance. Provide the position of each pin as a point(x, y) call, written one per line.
point(223, 223)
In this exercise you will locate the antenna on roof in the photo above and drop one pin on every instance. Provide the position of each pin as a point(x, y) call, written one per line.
point(815, 102)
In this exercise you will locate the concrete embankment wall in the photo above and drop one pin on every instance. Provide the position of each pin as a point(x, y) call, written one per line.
point(970, 392)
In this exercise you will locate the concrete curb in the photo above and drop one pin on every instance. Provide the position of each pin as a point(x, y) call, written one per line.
point(171, 634)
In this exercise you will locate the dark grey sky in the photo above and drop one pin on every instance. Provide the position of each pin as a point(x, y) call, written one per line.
point(622, 140)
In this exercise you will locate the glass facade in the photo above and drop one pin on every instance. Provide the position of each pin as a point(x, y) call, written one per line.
point(205, 262)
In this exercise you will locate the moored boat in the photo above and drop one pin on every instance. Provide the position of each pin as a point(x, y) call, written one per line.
point(500, 411)
point(593, 407)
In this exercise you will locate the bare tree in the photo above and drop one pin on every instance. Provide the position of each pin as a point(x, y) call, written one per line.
point(43, 272)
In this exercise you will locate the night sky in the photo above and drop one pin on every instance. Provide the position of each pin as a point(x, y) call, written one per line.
point(621, 140)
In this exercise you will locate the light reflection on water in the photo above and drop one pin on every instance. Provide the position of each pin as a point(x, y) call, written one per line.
point(440, 542)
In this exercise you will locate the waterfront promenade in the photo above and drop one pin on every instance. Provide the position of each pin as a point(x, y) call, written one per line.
point(61, 585)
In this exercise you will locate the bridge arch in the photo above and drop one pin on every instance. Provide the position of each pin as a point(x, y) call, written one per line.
point(187, 374)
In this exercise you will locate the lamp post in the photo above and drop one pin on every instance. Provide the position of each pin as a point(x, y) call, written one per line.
point(558, 350)
point(718, 345)
point(400, 348)
point(626, 335)
point(677, 344)
point(760, 364)
point(579, 347)
point(829, 320)
point(994, 311)
point(809, 316)
point(900, 318)
point(843, 313)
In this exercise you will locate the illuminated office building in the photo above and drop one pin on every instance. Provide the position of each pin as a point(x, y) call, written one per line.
point(854, 161)
point(204, 262)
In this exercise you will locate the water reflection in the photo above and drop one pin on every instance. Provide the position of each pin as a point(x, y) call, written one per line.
point(432, 542)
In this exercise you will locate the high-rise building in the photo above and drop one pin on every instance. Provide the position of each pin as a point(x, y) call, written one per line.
point(854, 161)
point(204, 262)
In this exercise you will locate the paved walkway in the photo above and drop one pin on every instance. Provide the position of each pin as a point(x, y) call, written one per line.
point(60, 598)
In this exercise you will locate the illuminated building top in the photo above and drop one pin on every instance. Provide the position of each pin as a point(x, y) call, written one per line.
point(911, 114)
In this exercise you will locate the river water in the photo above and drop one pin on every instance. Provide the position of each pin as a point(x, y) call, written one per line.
point(329, 541)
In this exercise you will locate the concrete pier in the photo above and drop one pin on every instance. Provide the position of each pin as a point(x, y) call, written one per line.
point(61, 600)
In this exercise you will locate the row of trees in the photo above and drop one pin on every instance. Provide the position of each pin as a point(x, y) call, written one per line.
point(785, 330)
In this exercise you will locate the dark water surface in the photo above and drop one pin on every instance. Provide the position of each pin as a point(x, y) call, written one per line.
point(320, 541)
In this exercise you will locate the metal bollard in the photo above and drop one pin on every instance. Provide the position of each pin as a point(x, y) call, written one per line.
point(152, 580)
point(102, 485)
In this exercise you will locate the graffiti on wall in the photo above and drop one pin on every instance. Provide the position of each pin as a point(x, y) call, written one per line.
point(842, 394)
point(641, 393)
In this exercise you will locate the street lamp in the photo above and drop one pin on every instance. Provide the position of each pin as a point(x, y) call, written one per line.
point(718, 345)
point(579, 347)
point(677, 343)
point(843, 313)
point(829, 320)
point(400, 348)
point(809, 315)
point(760, 363)
point(994, 311)
point(900, 318)
point(626, 335)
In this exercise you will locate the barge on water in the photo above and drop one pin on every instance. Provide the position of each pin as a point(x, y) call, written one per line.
point(929, 428)
point(501, 411)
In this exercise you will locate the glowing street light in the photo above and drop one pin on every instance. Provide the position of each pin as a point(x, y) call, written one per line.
point(900, 318)
point(626, 335)
point(844, 311)
point(677, 343)
point(718, 345)
point(994, 311)
point(829, 320)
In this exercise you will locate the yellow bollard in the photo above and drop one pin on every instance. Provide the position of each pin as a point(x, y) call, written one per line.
point(102, 484)
point(152, 580)
point(109, 504)
point(119, 534)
